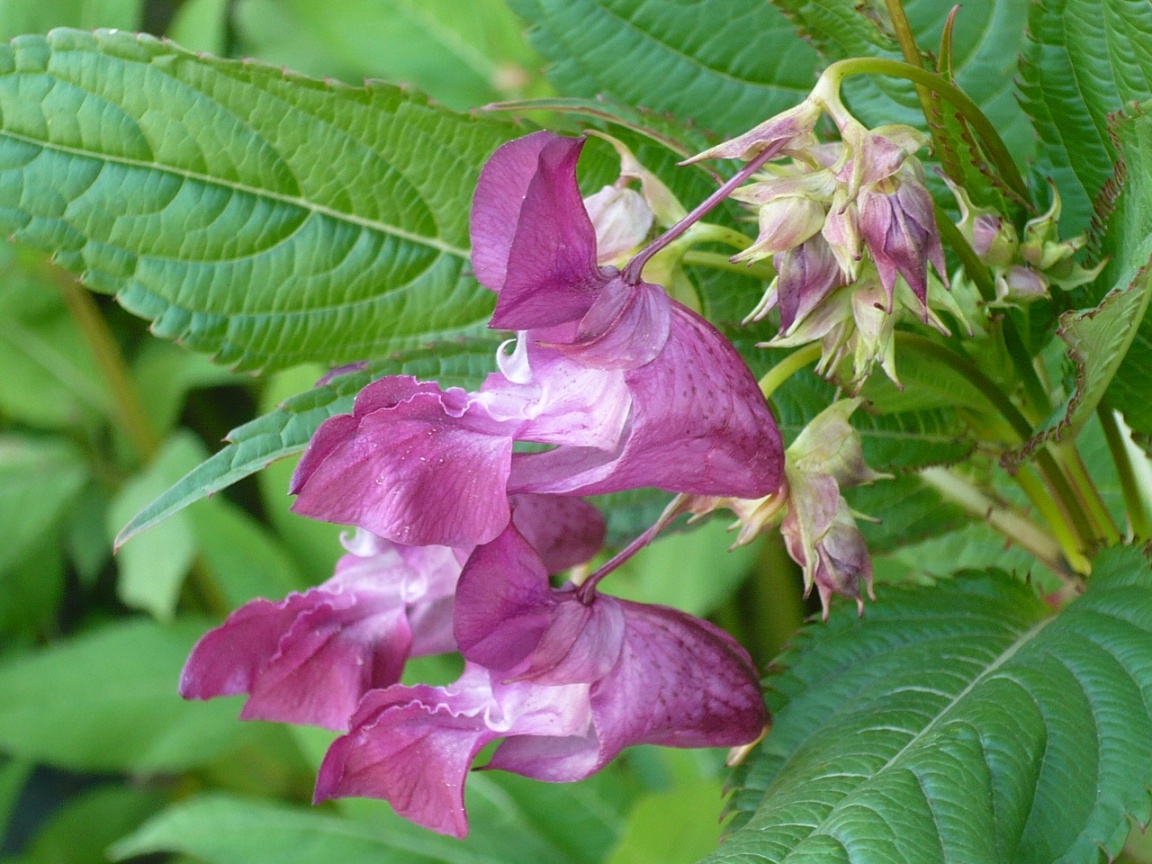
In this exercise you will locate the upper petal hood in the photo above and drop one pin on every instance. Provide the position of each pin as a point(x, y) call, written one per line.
point(532, 240)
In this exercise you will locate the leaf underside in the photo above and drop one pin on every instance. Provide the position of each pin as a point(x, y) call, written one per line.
point(959, 722)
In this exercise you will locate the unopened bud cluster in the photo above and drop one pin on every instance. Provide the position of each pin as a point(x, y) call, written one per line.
point(850, 228)
point(1024, 270)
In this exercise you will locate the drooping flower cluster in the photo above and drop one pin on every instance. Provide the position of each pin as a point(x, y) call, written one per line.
point(849, 226)
point(819, 527)
point(458, 530)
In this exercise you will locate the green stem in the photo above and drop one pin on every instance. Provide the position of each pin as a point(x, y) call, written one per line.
point(1133, 501)
point(911, 52)
point(1088, 494)
point(1034, 390)
point(788, 367)
point(710, 232)
point(969, 260)
point(1002, 518)
point(129, 411)
point(997, 149)
point(722, 262)
point(1034, 488)
point(1057, 483)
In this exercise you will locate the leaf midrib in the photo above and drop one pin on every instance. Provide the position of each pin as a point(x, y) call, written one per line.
point(243, 188)
point(1026, 637)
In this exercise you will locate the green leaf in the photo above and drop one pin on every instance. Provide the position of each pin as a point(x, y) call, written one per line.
point(1085, 59)
point(461, 54)
point(725, 69)
point(107, 700)
point(173, 181)
point(905, 510)
point(960, 722)
point(152, 567)
point(674, 827)
point(1128, 240)
point(682, 137)
point(287, 430)
point(39, 478)
point(201, 25)
point(14, 773)
point(50, 376)
point(893, 442)
point(1098, 340)
point(220, 829)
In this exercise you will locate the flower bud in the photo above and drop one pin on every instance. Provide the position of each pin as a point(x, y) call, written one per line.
point(784, 223)
point(789, 130)
point(622, 219)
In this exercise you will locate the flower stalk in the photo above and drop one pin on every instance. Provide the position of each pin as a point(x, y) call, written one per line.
point(1133, 501)
point(997, 149)
point(1015, 526)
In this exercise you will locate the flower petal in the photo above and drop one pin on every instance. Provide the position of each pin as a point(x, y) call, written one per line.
point(626, 327)
point(699, 425)
point(412, 463)
point(509, 619)
point(564, 531)
point(307, 659)
point(532, 240)
point(412, 746)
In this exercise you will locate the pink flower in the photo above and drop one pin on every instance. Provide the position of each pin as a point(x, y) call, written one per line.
point(631, 388)
point(566, 681)
point(311, 657)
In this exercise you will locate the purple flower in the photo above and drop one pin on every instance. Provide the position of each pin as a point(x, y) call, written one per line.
point(631, 388)
point(898, 226)
point(312, 656)
point(567, 682)
point(413, 746)
point(309, 658)
point(657, 675)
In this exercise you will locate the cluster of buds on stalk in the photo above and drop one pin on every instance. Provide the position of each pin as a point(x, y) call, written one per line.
point(850, 228)
point(1026, 270)
point(819, 527)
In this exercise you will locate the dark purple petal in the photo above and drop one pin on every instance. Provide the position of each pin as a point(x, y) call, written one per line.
point(806, 276)
point(509, 619)
point(412, 463)
point(657, 675)
point(699, 425)
point(626, 327)
point(900, 231)
point(564, 531)
point(307, 659)
point(532, 240)
point(681, 682)
point(503, 603)
point(412, 746)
